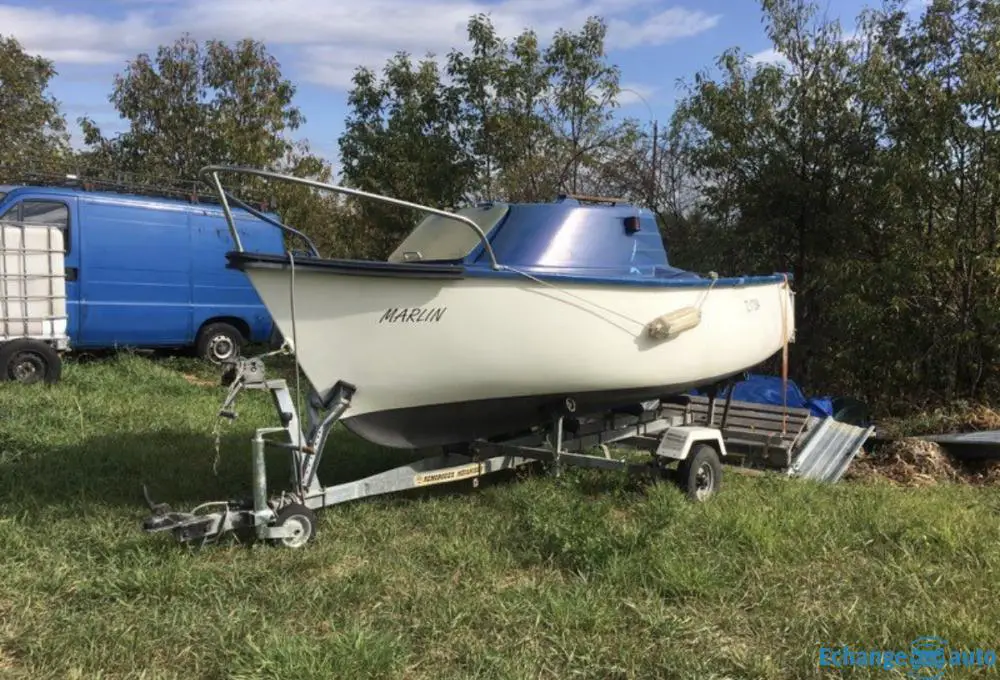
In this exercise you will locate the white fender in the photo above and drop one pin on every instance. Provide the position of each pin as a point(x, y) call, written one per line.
point(673, 323)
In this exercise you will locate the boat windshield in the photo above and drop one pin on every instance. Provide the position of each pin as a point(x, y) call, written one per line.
point(442, 238)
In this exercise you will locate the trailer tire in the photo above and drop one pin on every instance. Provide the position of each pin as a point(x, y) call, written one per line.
point(29, 361)
point(219, 342)
point(700, 474)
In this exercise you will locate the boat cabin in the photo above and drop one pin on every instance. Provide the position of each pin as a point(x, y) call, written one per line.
point(569, 236)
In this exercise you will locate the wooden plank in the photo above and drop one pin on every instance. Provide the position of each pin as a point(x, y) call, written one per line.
point(746, 413)
point(763, 408)
point(734, 413)
point(743, 422)
point(754, 425)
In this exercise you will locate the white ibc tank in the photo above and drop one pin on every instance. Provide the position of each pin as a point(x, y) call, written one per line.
point(32, 283)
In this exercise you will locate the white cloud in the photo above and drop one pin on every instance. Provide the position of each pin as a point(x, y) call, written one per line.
point(635, 93)
point(329, 39)
point(769, 56)
point(76, 38)
point(667, 26)
point(773, 56)
point(83, 56)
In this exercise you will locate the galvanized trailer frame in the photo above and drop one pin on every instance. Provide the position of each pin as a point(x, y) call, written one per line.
point(289, 519)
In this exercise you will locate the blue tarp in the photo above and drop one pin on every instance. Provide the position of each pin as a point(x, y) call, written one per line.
point(766, 389)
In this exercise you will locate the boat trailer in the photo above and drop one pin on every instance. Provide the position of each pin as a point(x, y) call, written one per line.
point(288, 519)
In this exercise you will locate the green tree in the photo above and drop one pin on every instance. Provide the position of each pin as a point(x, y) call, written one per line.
point(584, 91)
point(478, 80)
point(401, 140)
point(782, 156)
point(940, 107)
point(32, 129)
point(196, 104)
point(525, 131)
point(868, 167)
point(400, 135)
point(512, 122)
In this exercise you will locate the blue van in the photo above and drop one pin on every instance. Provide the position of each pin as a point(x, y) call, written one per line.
point(150, 272)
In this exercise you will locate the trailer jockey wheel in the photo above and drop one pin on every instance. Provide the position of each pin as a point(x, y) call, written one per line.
point(301, 520)
point(29, 361)
point(700, 475)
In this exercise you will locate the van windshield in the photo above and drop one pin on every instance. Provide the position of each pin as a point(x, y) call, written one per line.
point(442, 238)
point(3, 195)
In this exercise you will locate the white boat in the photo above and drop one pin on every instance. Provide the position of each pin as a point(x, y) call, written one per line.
point(483, 324)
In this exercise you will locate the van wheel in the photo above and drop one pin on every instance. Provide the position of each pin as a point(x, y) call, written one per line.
point(29, 361)
point(219, 342)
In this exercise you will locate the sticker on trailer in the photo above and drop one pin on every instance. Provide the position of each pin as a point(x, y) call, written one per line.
point(449, 475)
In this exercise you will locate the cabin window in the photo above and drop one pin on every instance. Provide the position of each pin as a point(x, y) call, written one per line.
point(442, 238)
point(44, 213)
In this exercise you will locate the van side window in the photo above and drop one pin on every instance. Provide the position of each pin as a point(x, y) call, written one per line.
point(48, 213)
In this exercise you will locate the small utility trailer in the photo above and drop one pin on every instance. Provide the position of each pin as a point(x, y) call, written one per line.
point(289, 519)
point(792, 440)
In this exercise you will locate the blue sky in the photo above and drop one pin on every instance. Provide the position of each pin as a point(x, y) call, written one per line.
point(319, 42)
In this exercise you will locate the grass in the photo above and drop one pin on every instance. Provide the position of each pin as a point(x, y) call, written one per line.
point(577, 577)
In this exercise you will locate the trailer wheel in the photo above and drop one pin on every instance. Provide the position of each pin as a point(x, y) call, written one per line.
point(700, 475)
point(219, 342)
point(301, 520)
point(29, 361)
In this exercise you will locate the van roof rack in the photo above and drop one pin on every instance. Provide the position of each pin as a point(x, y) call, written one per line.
point(583, 198)
point(179, 189)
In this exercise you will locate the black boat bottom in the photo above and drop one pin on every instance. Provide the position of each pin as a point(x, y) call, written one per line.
point(459, 422)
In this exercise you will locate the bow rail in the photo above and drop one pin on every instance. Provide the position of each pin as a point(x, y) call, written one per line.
point(210, 174)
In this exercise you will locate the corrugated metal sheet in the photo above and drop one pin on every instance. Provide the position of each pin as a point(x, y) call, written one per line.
point(829, 450)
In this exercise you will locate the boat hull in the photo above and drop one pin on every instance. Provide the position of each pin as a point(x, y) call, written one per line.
point(497, 418)
point(445, 359)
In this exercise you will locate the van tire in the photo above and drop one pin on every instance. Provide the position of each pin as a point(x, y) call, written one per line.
point(29, 361)
point(218, 342)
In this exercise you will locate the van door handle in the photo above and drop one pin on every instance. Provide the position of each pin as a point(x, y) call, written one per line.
point(71, 273)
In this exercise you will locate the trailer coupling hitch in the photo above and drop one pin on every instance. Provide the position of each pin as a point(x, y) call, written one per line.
point(163, 517)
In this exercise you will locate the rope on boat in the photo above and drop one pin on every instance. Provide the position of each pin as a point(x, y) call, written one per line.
point(295, 338)
point(235, 387)
point(567, 293)
point(236, 384)
point(713, 275)
point(217, 428)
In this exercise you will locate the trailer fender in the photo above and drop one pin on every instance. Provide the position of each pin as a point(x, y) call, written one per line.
point(677, 442)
